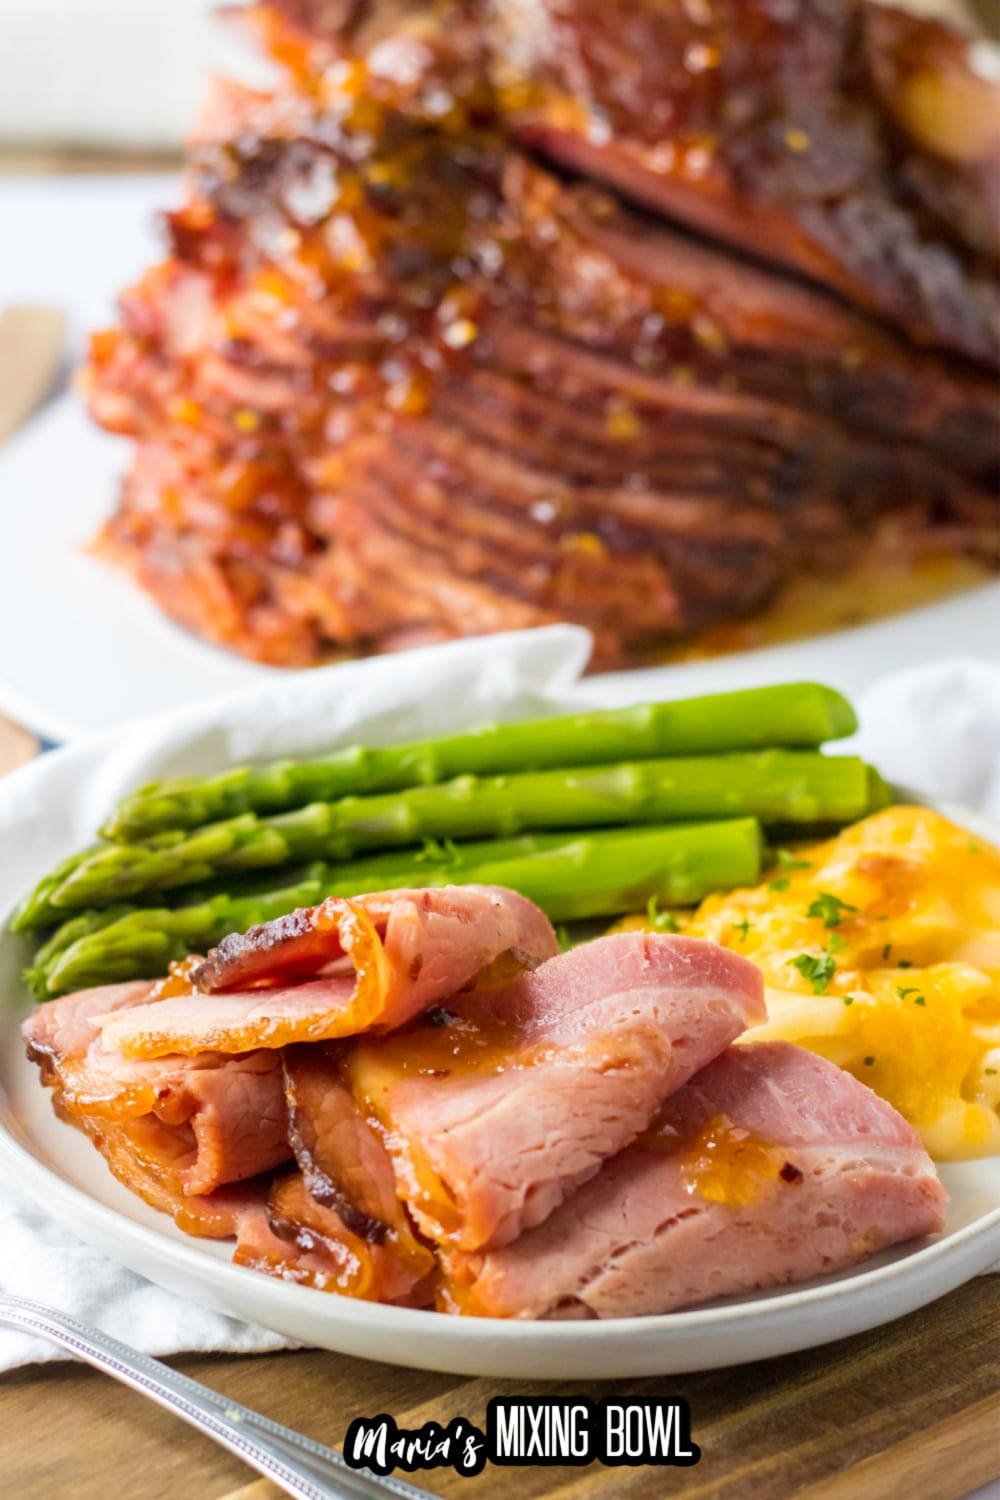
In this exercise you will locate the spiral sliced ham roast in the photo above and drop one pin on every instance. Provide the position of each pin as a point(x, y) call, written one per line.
point(499, 312)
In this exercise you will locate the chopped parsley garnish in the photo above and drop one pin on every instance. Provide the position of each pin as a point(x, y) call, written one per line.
point(836, 942)
point(920, 1000)
point(903, 993)
point(660, 921)
point(869, 1061)
point(818, 971)
point(990, 1072)
point(904, 963)
point(848, 999)
point(830, 909)
point(887, 951)
point(785, 860)
point(743, 928)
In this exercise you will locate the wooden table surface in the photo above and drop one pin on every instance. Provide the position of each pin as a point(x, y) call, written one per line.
point(908, 1412)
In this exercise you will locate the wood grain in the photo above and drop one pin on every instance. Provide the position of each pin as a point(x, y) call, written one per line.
point(31, 344)
point(70, 160)
point(17, 746)
point(907, 1412)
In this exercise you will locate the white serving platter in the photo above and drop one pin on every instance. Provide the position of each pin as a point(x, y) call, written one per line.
point(51, 807)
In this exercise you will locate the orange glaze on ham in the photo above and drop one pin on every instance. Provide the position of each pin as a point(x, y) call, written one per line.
point(212, 1118)
point(299, 1239)
point(673, 1221)
point(492, 1110)
point(149, 1159)
point(371, 962)
point(517, 1133)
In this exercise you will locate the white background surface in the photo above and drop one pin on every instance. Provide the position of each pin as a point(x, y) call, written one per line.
point(110, 72)
point(77, 241)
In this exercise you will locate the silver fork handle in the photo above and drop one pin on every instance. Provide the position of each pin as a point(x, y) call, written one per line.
point(301, 1467)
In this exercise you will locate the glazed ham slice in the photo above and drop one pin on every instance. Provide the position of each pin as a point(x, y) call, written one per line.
point(203, 1121)
point(770, 1166)
point(425, 939)
point(490, 1112)
point(151, 1161)
point(371, 962)
point(299, 1239)
point(342, 1157)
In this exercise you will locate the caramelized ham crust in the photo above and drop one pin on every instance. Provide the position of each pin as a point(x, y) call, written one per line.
point(770, 1166)
point(850, 142)
point(382, 959)
point(206, 1120)
point(491, 1110)
point(151, 1160)
point(341, 1155)
point(299, 1239)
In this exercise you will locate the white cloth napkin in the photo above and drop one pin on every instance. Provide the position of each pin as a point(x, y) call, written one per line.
point(935, 728)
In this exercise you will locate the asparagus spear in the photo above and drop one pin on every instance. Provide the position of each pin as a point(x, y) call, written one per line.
point(571, 876)
point(801, 715)
point(776, 786)
point(33, 910)
point(63, 938)
point(211, 911)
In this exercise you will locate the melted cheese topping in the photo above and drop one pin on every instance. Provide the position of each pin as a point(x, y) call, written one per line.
point(880, 950)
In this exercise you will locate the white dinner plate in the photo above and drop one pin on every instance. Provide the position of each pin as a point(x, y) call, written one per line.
point(82, 648)
point(52, 807)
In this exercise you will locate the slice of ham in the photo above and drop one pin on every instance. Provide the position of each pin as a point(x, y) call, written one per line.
point(148, 1159)
point(423, 938)
point(381, 960)
point(341, 1156)
point(771, 1166)
point(487, 1114)
point(299, 1239)
point(210, 1119)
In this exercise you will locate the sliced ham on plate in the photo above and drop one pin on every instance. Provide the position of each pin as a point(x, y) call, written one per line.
point(770, 1166)
point(150, 1160)
point(484, 1114)
point(517, 1133)
point(298, 1239)
point(337, 969)
point(203, 1121)
point(341, 1155)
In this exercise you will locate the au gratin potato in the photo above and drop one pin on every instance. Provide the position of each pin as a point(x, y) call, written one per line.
point(880, 950)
